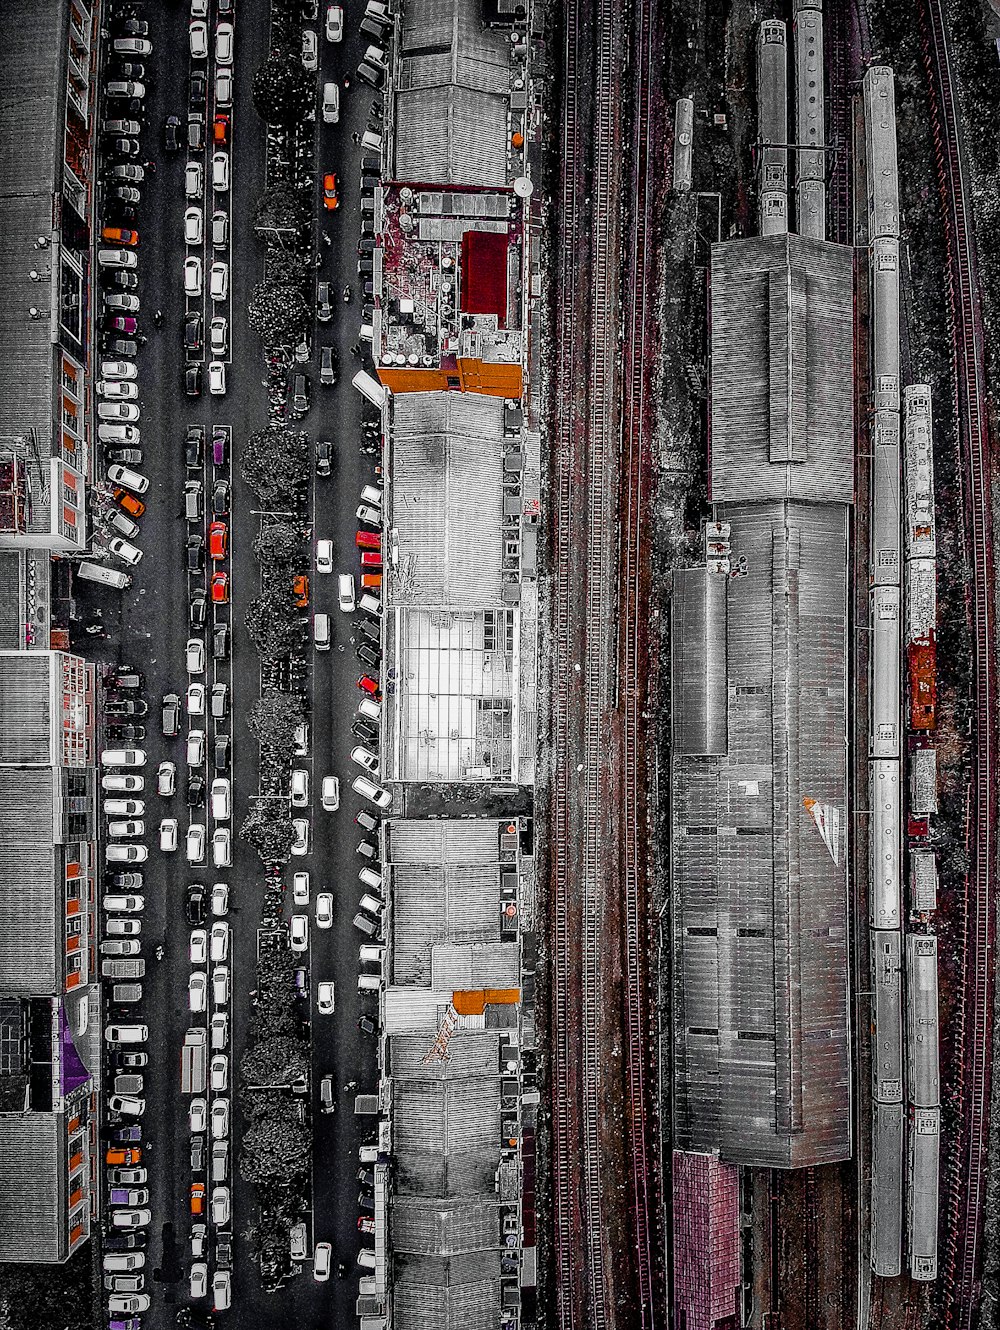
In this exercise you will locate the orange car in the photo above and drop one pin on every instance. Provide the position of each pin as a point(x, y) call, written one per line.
point(300, 590)
point(197, 1198)
point(220, 129)
point(120, 233)
point(330, 197)
point(119, 1156)
point(131, 505)
point(371, 581)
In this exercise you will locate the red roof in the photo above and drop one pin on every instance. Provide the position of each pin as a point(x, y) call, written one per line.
point(706, 1225)
point(484, 274)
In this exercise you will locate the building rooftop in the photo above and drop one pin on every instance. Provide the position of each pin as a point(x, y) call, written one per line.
point(447, 1293)
point(447, 1136)
point(30, 874)
point(33, 1200)
point(782, 405)
point(26, 708)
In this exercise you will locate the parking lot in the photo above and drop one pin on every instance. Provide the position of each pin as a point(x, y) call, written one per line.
point(201, 900)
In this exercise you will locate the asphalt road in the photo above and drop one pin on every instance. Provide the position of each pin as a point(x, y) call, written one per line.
point(152, 619)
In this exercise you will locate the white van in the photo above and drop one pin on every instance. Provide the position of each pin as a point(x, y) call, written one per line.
point(371, 604)
point(372, 904)
point(369, 708)
point(373, 955)
point(345, 592)
point(369, 983)
point(370, 387)
point(366, 1258)
point(96, 572)
point(370, 141)
point(321, 631)
point(372, 879)
point(331, 103)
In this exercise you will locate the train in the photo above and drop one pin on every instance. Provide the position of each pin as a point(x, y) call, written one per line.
point(810, 119)
point(901, 587)
point(772, 124)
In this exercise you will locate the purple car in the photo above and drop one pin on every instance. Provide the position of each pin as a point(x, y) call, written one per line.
point(132, 1323)
point(120, 323)
point(219, 448)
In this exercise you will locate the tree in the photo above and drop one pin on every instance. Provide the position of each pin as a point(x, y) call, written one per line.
point(49, 1297)
point(278, 313)
point(281, 209)
point(272, 719)
point(277, 1060)
point(271, 837)
point(282, 90)
point(279, 546)
point(274, 626)
point(275, 463)
point(274, 1146)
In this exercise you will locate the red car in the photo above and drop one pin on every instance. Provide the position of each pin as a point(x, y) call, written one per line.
point(221, 129)
point(218, 539)
point(371, 559)
point(220, 588)
point(330, 198)
point(369, 540)
point(369, 685)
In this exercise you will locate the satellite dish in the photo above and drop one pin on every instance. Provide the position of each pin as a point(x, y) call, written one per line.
point(523, 187)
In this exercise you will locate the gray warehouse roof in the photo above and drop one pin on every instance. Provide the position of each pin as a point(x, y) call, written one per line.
point(446, 1227)
point(32, 1187)
point(433, 903)
point(30, 871)
point(447, 1293)
point(759, 850)
point(447, 1135)
point(25, 708)
point(782, 370)
point(447, 499)
point(32, 82)
point(452, 92)
point(443, 841)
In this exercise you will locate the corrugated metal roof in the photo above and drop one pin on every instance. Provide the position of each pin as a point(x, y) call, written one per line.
point(26, 707)
point(782, 370)
point(12, 608)
point(31, 874)
point(446, 1136)
point(447, 499)
point(444, 1228)
point(761, 1028)
point(463, 967)
point(698, 662)
point(447, 1293)
point(33, 1187)
point(478, 1056)
point(435, 903)
point(479, 56)
point(706, 1241)
point(443, 841)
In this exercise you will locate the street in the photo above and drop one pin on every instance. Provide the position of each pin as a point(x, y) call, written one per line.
point(152, 635)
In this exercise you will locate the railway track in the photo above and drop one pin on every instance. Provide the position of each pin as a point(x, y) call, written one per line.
point(967, 1181)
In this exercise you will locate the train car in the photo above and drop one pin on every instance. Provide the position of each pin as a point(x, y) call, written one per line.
point(885, 846)
point(810, 162)
point(683, 143)
point(885, 718)
point(884, 566)
point(922, 1019)
point(878, 89)
point(886, 1221)
point(918, 473)
point(885, 323)
point(772, 126)
point(922, 1192)
point(923, 780)
point(887, 1011)
point(923, 882)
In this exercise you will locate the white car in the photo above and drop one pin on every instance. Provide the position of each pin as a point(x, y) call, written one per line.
point(324, 556)
point(127, 436)
point(220, 941)
point(132, 480)
point(218, 335)
point(126, 854)
point(129, 46)
point(298, 932)
point(345, 592)
point(198, 991)
point(199, 1232)
point(168, 833)
point(221, 1290)
point(198, 946)
point(219, 280)
point(194, 226)
point(220, 1118)
point(194, 843)
point(198, 1115)
point(195, 748)
point(217, 378)
point(220, 898)
point(221, 799)
point(123, 757)
point(369, 515)
point(166, 779)
point(118, 412)
point(118, 369)
point(299, 787)
point(369, 790)
point(223, 87)
point(324, 910)
point(123, 784)
point(322, 1260)
point(300, 888)
point(193, 180)
point(198, 39)
point(310, 50)
point(199, 1280)
point(192, 275)
point(127, 552)
point(128, 829)
point(334, 23)
point(330, 796)
point(220, 986)
point(131, 1218)
point(300, 828)
point(121, 390)
point(219, 1027)
point(117, 258)
point(220, 171)
point(220, 1201)
point(325, 999)
point(194, 656)
point(222, 847)
point(196, 699)
point(219, 1078)
point(365, 759)
point(224, 44)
